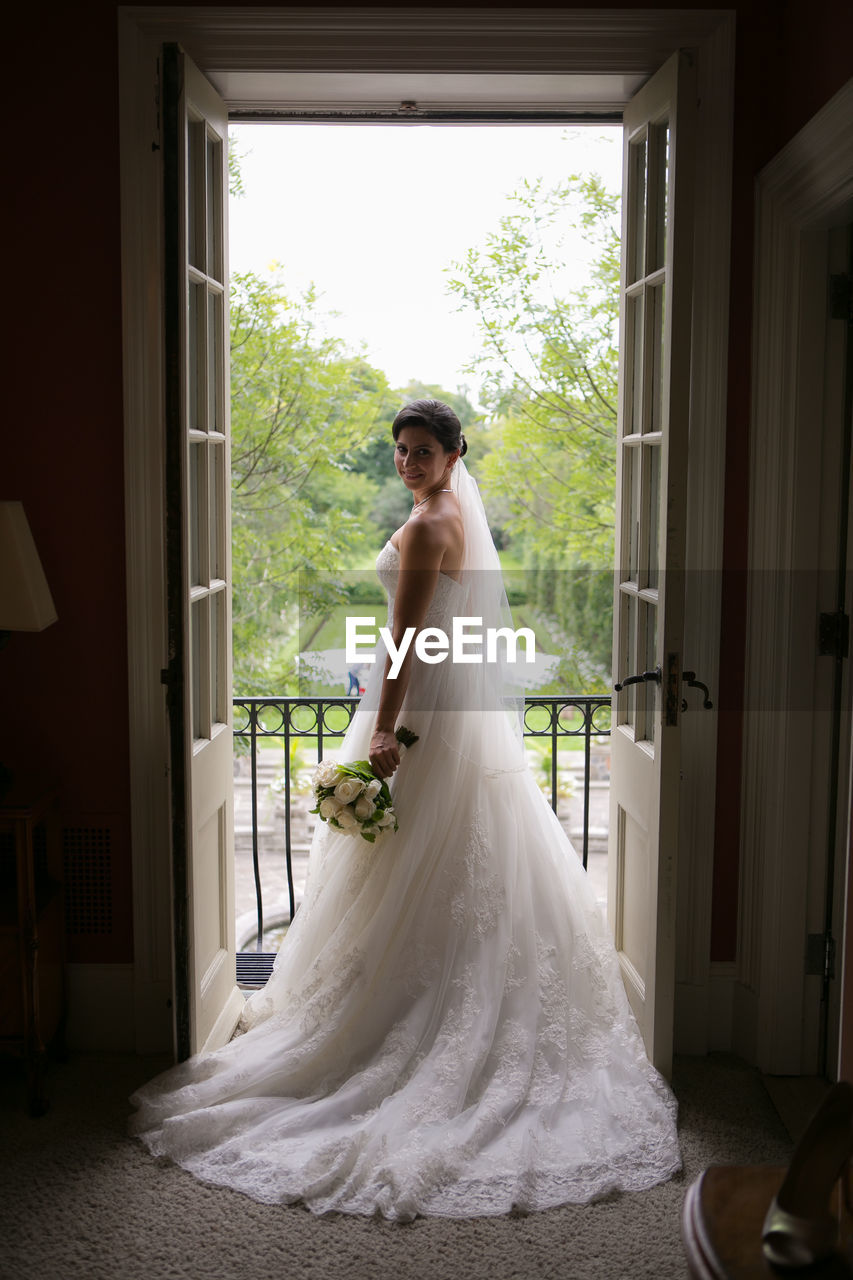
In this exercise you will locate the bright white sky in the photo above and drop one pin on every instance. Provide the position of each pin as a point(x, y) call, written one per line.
point(374, 214)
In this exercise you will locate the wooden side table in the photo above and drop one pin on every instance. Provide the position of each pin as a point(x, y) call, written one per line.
point(32, 932)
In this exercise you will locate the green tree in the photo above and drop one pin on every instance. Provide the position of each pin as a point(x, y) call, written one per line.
point(302, 408)
point(548, 372)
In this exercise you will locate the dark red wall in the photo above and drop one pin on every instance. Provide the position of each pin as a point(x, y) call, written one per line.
point(64, 692)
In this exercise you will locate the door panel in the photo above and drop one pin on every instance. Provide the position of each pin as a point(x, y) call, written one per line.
point(650, 538)
point(196, 173)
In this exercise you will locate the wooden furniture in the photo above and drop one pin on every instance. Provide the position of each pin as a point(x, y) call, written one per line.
point(721, 1227)
point(32, 953)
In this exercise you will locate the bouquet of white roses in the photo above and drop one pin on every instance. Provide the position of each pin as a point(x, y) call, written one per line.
point(352, 799)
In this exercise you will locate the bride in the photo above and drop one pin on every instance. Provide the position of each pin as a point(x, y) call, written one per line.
point(445, 1031)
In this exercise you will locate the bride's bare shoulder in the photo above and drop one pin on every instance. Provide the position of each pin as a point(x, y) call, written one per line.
point(435, 535)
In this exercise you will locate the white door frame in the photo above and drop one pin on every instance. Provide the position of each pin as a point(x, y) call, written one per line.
point(503, 43)
point(806, 188)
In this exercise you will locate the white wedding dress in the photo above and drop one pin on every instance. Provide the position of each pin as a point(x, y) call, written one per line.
point(445, 1030)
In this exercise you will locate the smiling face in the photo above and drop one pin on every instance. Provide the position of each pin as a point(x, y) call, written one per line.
point(421, 462)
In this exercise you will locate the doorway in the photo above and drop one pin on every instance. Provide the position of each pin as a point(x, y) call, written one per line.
point(796, 813)
point(383, 238)
point(497, 48)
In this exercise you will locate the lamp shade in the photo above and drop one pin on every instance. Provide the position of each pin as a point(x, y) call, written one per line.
point(25, 599)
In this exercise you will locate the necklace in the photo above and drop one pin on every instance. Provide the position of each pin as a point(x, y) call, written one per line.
point(430, 495)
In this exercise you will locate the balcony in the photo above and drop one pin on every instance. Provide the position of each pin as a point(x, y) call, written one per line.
point(279, 740)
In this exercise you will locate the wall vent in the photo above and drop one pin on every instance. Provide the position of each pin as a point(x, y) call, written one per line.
point(88, 873)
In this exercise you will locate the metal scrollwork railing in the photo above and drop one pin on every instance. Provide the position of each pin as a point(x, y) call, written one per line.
point(326, 720)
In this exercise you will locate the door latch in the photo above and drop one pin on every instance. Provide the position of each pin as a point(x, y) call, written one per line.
point(692, 683)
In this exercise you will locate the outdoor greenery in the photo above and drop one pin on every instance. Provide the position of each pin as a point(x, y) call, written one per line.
point(314, 490)
point(301, 408)
point(548, 372)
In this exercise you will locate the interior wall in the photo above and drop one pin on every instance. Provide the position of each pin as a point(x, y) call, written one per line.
point(65, 691)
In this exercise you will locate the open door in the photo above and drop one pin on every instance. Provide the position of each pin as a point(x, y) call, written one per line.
point(207, 1000)
point(654, 395)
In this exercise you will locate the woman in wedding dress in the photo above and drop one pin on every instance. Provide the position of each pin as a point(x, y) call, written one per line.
point(445, 1031)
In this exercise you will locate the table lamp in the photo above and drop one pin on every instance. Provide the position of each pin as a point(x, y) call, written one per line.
point(25, 599)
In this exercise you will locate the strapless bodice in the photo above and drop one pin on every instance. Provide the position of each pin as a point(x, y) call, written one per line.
point(446, 602)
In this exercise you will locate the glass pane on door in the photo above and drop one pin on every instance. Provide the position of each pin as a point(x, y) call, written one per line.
point(651, 690)
point(216, 456)
point(659, 175)
point(218, 650)
point(195, 194)
point(657, 321)
point(197, 501)
point(213, 202)
point(628, 655)
point(637, 186)
point(195, 357)
point(652, 460)
point(214, 362)
point(635, 307)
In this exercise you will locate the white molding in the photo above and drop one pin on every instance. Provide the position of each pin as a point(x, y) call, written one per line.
point(744, 1021)
point(141, 218)
point(721, 994)
point(365, 40)
point(805, 187)
point(704, 549)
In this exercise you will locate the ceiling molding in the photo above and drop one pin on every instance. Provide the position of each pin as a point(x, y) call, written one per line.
point(560, 41)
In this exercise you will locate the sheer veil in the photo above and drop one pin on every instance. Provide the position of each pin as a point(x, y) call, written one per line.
point(475, 707)
point(495, 692)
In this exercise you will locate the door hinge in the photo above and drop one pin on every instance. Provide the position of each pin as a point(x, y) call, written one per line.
point(820, 956)
point(833, 639)
point(841, 298)
point(672, 689)
point(156, 141)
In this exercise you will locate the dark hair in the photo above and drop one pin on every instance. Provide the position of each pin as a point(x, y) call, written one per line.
point(438, 418)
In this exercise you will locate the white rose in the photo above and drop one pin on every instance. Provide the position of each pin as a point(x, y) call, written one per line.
point(347, 790)
point(329, 807)
point(326, 774)
point(345, 818)
point(373, 789)
point(364, 808)
point(387, 818)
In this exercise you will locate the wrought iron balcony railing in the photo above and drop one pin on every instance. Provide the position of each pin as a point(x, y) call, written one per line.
point(318, 722)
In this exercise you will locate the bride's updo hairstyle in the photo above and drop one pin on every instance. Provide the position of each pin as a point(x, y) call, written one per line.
point(438, 418)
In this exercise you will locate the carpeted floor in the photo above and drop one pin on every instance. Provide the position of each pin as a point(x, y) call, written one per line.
point(80, 1199)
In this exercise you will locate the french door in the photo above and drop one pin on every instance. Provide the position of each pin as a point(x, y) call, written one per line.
point(655, 370)
point(208, 1001)
point(654, 394)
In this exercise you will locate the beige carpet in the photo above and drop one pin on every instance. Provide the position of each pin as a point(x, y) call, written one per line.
point(79, 1199)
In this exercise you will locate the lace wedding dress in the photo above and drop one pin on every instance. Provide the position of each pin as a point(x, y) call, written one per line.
point(445, 1030)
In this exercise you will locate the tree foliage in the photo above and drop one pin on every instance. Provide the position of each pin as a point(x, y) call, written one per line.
point(314, 489)
point(301, 409)
point(548, 373)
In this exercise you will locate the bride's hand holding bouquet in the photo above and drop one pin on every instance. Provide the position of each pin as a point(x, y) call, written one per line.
point(352, 799)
